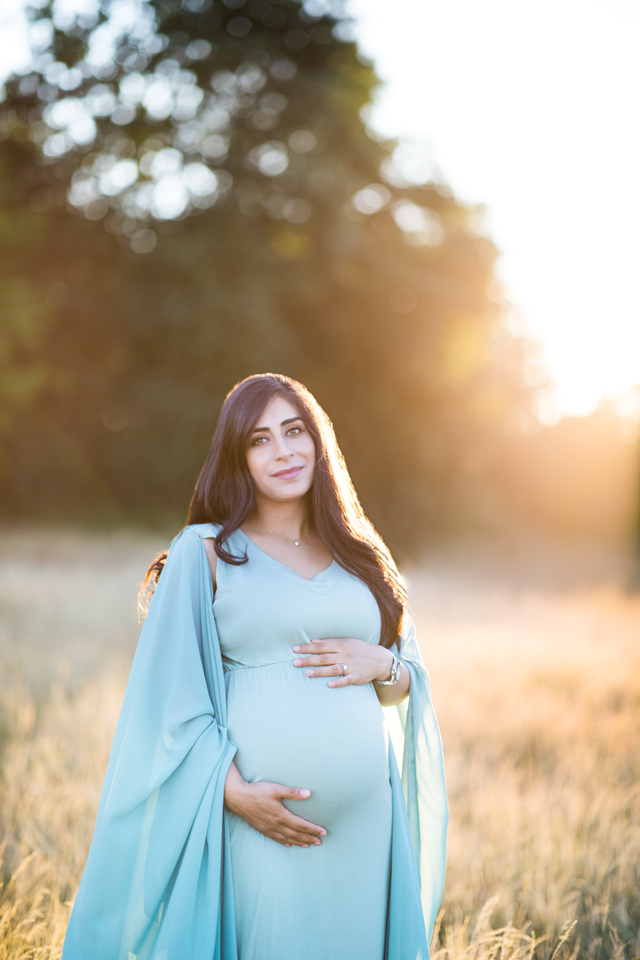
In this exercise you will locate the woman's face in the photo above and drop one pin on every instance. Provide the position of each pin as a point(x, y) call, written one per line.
point(281, 454)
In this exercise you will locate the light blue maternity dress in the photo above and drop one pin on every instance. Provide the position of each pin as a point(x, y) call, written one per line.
point(171, 875)
point(316, 903)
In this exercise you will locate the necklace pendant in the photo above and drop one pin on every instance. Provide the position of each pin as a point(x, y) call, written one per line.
point(296, 543)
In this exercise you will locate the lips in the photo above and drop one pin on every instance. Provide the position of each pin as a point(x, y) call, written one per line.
point(287, 474)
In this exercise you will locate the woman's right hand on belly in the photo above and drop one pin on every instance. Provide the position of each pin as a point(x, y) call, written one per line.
point(260, 804)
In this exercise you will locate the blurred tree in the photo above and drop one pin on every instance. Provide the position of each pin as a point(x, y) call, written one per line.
point(212, 206)
point(23, 309)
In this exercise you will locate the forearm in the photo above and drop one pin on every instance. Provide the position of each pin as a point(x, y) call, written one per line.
point(235, 788)
point(392, 695)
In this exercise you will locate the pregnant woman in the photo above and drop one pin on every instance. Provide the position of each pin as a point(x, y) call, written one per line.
point(252, 808)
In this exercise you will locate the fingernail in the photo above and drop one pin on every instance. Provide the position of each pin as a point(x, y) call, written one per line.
point(305, 793)
point(297, 663)
point(331, 683)
point(296, 649)
point(309, 673)
point(323, 833)
point(317, 843)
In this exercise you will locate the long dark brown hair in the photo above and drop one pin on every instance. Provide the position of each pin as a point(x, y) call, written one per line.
point(225, 495)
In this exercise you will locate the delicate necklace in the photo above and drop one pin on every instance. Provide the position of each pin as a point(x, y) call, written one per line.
point(296, 543)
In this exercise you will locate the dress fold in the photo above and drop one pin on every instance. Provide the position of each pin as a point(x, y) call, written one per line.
point(423, 778)
point(156, 868)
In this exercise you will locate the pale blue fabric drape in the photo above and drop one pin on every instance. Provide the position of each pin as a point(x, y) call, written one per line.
point(157, 884)
point(423, 778)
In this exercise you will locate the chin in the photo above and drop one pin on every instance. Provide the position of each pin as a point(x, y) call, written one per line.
point(291, 492)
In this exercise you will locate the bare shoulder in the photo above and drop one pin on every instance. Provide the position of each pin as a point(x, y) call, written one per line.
point(212, 557)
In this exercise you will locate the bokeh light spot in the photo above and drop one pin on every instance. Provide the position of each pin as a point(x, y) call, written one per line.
point(296, 211)
point(215, 147)
point(283, 69)
point(115, 416)
point(270, 158)
point(371, 198)
point(302, 141)
point(170, 197)
point(143, 241)
point(420, 225)
point(239, 26)
point(403, 300)
point(120, 176)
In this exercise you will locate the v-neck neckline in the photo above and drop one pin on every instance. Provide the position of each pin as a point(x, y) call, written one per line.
point(286, 565)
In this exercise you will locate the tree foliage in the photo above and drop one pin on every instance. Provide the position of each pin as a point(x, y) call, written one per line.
point(208, 203)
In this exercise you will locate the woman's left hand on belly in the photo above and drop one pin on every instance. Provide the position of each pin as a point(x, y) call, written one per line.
point(346, 661)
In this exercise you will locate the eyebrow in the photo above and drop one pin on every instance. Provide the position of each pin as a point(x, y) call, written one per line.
point(283, 424)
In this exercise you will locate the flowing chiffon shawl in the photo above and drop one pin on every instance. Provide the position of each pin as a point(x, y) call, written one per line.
point(157, 884)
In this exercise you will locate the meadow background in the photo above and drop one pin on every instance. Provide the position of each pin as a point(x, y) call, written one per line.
point(191, 192)
point(535, 669)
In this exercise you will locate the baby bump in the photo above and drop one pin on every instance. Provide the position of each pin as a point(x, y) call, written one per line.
point(295, 730)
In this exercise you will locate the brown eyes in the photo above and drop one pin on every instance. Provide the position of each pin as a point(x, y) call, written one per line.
point(292, 431)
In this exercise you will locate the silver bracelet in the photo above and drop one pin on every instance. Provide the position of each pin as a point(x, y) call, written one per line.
point(395, 674)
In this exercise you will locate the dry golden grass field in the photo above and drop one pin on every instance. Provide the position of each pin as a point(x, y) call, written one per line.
point(537, 688)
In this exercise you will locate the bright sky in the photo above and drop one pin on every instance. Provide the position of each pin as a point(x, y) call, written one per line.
point(531, 108)
point(14, 48)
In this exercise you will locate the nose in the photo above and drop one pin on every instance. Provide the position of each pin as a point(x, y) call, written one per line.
point(282, 450)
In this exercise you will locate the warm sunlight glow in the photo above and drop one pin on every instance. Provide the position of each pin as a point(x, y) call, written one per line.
point(528, 108)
